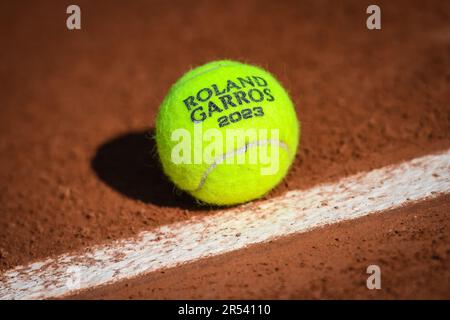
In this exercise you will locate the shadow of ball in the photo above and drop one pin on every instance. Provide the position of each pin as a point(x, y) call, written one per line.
point(129, 164)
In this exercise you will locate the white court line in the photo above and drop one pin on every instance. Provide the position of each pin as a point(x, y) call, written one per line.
point(228, 230)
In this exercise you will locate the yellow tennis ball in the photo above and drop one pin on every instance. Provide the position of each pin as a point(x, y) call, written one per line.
point(227, 132)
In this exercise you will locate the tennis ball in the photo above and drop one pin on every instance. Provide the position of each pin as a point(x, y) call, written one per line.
point(227, 132)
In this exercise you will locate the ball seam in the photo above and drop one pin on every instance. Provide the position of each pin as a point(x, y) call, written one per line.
point(220, 159)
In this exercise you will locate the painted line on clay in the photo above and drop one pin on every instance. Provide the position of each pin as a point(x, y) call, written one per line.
point(228, 230)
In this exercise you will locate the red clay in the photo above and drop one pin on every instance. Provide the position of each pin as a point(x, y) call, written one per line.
point(76, 167)
point(409, 244)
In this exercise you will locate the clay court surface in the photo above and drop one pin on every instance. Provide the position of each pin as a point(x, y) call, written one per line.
point(78, 168)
